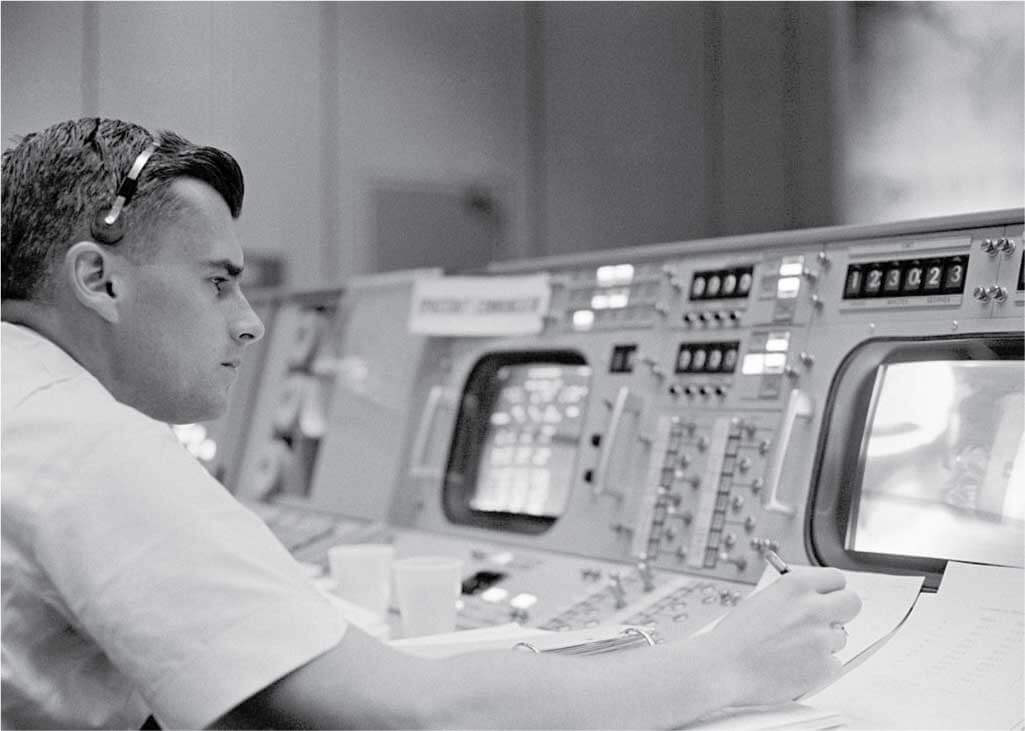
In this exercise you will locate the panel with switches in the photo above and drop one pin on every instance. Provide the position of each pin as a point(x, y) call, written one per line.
point(659, 432)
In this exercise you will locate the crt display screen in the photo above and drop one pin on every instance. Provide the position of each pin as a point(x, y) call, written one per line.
point(530, 444)
point(943, 463)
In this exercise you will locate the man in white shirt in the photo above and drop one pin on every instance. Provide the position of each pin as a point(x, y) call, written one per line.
point(133, 584)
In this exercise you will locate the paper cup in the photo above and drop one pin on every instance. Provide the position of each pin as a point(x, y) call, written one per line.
point(428, 588)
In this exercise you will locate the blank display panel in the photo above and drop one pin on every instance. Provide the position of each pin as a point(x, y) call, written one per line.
point(942, 463)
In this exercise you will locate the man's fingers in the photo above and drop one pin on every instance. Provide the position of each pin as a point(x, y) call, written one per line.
point(839, 607)
point(822, 580)
point(839, 636)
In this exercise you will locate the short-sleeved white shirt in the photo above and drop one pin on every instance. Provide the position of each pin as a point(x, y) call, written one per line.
point(133, 583)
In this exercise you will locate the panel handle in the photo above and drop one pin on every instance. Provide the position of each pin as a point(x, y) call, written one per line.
point(625, 403)
point(418, 469)
point(799, 406)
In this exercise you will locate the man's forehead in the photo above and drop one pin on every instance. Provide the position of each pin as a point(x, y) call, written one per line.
point(200, 228)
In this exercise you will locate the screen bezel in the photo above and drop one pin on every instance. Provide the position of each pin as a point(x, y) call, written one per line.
point(839, 463)
point(464, 454)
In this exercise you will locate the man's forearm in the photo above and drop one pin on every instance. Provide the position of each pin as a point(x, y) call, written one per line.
point(362, 684)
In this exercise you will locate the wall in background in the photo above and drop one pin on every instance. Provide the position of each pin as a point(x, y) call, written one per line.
point(595, 125)
point(936, 113)
point(318, 101)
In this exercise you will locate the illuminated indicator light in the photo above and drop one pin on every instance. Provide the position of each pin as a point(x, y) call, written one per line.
point(788, 287)
point(729, 284)
point(546, 372)
point(618, 299)
point(697, 288)
point(754, 364)
point(777, 342)
point(572, 412)
point(791, 266)
point(612, 275)
point(523, 601)
point(775, 362)
point(583, 320)
point(500, 418)
point(600, 302)
point(714, 282)
point(503, 558)
point(494, 594)
point(744, 285)
point(206, 450)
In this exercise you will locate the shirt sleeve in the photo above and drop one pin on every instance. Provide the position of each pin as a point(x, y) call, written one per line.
point(187, 592)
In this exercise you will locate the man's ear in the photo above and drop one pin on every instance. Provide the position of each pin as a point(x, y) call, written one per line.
point(89, 270)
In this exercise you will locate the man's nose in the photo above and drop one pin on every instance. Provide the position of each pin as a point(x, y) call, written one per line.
point(247, 327)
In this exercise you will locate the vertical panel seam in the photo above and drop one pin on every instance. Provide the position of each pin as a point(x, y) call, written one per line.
point(330, 157)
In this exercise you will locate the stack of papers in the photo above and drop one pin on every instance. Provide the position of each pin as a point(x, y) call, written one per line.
point(957, 662)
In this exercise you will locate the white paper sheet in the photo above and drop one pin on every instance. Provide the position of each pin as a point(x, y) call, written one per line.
point(957, 662)
point(789, 716)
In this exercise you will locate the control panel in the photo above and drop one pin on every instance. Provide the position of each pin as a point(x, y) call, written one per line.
point(670, 420)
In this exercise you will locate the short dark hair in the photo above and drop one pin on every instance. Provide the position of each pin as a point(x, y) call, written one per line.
point(54, 182)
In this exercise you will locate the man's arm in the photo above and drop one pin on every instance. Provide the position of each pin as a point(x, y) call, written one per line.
point(775, 646)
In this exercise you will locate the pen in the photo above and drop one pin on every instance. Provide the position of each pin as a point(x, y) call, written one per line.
point(776, 562)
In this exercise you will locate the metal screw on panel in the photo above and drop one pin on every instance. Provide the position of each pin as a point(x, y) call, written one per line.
point(1006, 245)
point(822, 258)
point(763, 447)
point(756, 485)
point(738, 503)
point(817, 301)
point(807, 359)
point(729, 540)
point(989, 246)
point(980, 294)
point(744, 464)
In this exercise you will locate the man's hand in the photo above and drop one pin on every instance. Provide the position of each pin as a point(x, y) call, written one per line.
point(778, 644)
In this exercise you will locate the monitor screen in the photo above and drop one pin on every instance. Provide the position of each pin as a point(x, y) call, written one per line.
point(530, 439)
point(942, 463)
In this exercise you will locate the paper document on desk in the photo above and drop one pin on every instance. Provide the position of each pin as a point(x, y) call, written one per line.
point(957, 662)
point(786, 717)
point(885, 603)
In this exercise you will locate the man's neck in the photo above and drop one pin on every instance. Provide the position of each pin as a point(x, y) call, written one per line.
point(47, 321)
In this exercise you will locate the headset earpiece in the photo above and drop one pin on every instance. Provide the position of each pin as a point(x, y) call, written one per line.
point(107, 233)
point(108, 225)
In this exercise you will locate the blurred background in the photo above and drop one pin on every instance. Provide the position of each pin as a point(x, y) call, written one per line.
point(380, 136)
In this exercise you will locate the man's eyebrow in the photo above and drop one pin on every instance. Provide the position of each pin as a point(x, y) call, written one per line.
point(233, 269)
